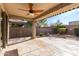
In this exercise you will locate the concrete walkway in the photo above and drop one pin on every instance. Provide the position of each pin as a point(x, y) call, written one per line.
point(46, 46)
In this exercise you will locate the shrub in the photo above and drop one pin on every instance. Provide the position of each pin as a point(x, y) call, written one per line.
point(76, 31)
point(41, 34)
point(61, 26)
point(55, 30)
point(62, 30)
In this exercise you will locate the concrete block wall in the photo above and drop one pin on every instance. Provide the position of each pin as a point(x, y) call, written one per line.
point(25, 32)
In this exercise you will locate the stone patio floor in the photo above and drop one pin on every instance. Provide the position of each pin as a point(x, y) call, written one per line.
point(46, 46)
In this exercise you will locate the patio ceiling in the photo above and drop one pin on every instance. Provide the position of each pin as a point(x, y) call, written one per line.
point(21, 10)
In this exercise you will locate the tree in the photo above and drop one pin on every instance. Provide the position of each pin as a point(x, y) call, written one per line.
point(41, 23)
point(29, 24)
point(59, 28)
point(58, 23)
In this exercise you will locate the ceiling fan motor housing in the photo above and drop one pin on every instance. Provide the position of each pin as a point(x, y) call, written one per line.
point(31, 11)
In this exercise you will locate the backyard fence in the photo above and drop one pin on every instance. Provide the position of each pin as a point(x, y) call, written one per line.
point(25, 32)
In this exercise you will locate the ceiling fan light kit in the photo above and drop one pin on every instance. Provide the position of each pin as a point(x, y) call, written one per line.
point(31, 12)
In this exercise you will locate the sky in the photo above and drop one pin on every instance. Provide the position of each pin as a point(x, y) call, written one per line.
point(65, 18)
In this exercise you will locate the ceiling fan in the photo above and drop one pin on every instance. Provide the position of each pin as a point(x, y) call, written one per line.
point(31, 11)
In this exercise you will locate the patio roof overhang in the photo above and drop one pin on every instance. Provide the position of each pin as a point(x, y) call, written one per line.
point(12, 11)
point(64, 9)
point(49, 9)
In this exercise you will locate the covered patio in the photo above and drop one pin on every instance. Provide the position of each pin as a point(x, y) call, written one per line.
point(34, 12)
point(44, 46)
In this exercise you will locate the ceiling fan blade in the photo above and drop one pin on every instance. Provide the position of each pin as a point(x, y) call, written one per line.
point(37, 11)
point(23, 10)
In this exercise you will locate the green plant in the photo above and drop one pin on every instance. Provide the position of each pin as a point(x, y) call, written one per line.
point(29, 24)
point(55, 30)
point(16, 25)
point(76, 31)
point(62, 30)
point(61, 26)
point(42, 23)
point(41, 34)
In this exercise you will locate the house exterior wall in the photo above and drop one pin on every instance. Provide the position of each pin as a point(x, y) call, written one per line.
point(74, 23)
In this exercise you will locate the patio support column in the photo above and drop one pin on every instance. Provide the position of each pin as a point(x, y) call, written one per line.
point(8, 28)
point(4, 29)
point(33, 30)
